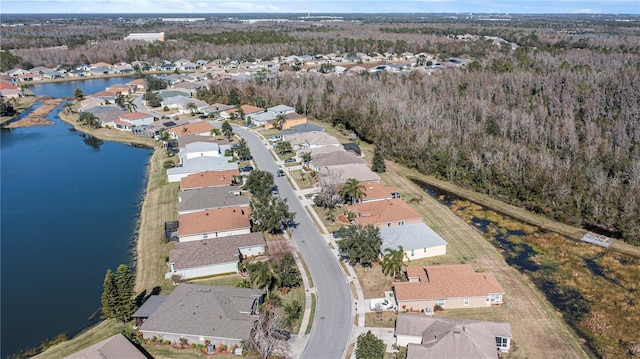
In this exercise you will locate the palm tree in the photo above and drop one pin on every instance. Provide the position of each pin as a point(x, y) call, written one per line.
point(352, 190)
point(262, 276)
point(214, 132)
point(392, 261)
point(132, 107)
point(192, 107)
point(185, 130)
point(306, 158)
point(280, 121)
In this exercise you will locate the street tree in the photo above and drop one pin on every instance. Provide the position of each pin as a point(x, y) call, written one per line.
point(287, 271)
point(269, 214)
point(285, 147)
point(242, 150)
point(352, 191)
point(227, 130)
point(392, 261)
point(360, 244)
point(378, 164)
point(369, 346)
point(259, 183)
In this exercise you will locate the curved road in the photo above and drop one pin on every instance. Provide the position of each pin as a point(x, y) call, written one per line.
point(333, 318)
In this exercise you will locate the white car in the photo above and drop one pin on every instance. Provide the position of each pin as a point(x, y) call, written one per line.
point(382, 304)
point(274, 138)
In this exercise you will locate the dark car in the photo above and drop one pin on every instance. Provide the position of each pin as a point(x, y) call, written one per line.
point(281, 334)
point(280, 173)
point(246, 169)
point(290, 160)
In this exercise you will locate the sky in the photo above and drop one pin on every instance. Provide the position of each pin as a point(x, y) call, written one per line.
point(319, 6)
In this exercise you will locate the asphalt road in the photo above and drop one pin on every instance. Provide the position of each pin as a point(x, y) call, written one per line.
point(333, 319)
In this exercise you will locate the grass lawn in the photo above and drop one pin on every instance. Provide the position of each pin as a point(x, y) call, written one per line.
point(295, 294)
point(303, 179)
point(21, 104)
point(229, 280)
point(372, 281)
point(387, 320)
point(167, 352)
point(312, 315)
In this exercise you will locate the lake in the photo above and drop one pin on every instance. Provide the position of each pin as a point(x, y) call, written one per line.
point(69, 211)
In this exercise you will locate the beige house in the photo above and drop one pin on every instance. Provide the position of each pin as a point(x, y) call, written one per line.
point(214, 223)
point(451, 338)
point(448, 286)
point(384, 213)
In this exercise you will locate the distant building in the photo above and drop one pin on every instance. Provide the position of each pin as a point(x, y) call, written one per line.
point(150, 36)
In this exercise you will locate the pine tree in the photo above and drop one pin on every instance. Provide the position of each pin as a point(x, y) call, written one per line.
point(77, 94)
point(125, 285)
point(109, 295)
point(378, 164)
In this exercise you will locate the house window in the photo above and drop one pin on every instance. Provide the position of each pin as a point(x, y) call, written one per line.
point(494, 298)
point(502, 342)
point(441, 302)
point(412, 253)
point(466, 302)
point(389, 224)
point(425, 250)
point(205, 236)
point(401, 223)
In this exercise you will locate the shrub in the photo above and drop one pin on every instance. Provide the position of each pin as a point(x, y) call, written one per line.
point(437, 308)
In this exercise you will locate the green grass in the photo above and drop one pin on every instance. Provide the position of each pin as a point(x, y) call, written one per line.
point(306, 269)
point(303, 179)
point(295, 294)
point(229, 280)
point(313, 314)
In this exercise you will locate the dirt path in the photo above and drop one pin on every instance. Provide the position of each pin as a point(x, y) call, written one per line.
point(38, 117)
point(538, 329)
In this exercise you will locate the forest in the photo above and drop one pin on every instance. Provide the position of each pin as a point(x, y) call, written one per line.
point(552, 126)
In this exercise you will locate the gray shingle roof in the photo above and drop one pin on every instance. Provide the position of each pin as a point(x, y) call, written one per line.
point(210, 251)
point(307, 127)
point(115, 347)
point(150, 306)
point(203, 164)
point(211, 311)
point(410, 236)
point(451, 337)
point(210, 197)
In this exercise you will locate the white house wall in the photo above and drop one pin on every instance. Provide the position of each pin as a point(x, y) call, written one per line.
point(426, 252)
point(252, 251)
point(404, 340)
point(197, 237)
point(214, 269)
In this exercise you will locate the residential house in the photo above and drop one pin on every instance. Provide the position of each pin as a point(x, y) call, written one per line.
point(138, 85)
point(293, 119)
point(202, 128)
point(199, 313)
point(213, 256)
point(307, 127)
point(384, 213)
point(123, 69)
point(281, 109)
point(200, 199)
point(262, 119)
point(248, 110)
point(147, 308)
point(181, 103)
point(340, 174)
point(114, 347)
point(311, 140)
point(451, 338)
point(376, 191)
point(135, 119)
point(53, 74)
point(318, 151)
point(417, 240)
point(17, 72)
point(335, 159)
point(120, 89)
point(213, 223)
point(97, 71)
point(202, 149)
point(202, 164)
point(448, 286)
point(184, 140)
point(8, 90)
point(208, 179)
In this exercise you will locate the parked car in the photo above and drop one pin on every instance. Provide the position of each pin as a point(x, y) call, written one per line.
point(274, 138)
point(280, 173)
point(246, 169)
point(281, 334)
point(290, 160)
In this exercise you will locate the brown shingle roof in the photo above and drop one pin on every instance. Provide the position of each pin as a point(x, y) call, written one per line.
point(135, 115)
point(446, 281)
point(375, 190)
point(385, 211)
point(214, 220)
point(208, 179)
point(213, 250)
point(192, 128)
point(248, 109)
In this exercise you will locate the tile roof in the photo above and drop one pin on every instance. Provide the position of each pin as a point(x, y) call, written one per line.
point(208, 179)
point(192, 128)
point(211, 311)
point(209, 198)
point(385, 211)
point(446, 281)
point(248, 109)
point(7, 86)
point(115, 347)
point(342, 173)
point(335, 159)
point(138, 82)
point(211, 251)
point(452, 338)
point(410, 237)
point(135, 115)
point(213, 220)
point(377, 190)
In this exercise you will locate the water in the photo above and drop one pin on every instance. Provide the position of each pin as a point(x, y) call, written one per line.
point(65, 89)
point(69, 209)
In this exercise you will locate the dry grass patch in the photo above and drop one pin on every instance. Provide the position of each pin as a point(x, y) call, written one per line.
point(303, 179)
point(229, 280)
point(372, 281)
point(100, 331)
point(386, 319)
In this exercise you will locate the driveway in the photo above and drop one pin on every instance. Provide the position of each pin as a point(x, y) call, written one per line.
point(333, 320)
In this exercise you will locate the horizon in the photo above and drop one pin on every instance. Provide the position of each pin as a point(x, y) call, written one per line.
point(315, 7)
